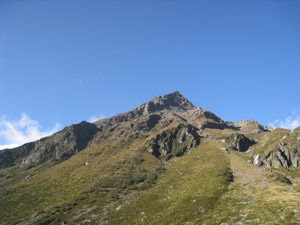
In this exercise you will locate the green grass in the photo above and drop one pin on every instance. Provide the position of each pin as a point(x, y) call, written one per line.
point(191, 186)
point(75, 182)
point(117, 181)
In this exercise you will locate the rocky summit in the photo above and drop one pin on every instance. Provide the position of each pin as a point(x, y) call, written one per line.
point(164, 162)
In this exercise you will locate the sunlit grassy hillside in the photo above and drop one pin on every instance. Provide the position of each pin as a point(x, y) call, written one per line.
point(164, 162)
point(121, 183)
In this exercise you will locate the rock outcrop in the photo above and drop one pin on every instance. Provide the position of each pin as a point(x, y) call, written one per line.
point(283, 156)
point(239, 142)
point(175, 141)
point(203, 119)
point(257, 160)
point(145, 123)
point(250, 127)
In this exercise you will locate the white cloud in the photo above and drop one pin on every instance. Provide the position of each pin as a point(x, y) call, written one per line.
point(95, 118)
point(291, 122)
point(8, 146)
point(25, 130)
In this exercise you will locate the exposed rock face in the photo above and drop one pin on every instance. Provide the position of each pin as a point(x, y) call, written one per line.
point(250, 126)
point(172, 103)
point(202, 119)
point(58, 147)
point(172, 107)
point(152, 116)
point(283, 157)
point(146, 123)
point(257, 160)
point(175, 141)
point(239, 142)
point(158, 113)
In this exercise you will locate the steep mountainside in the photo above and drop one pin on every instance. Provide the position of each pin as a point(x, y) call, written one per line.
point(164, 162)
point(57, 147)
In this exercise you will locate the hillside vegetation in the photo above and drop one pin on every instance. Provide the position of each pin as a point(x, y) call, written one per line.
point(164, 162)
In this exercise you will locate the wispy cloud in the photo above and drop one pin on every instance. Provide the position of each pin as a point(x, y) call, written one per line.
point(291, 122)
point(95, 118)
point(16, 133)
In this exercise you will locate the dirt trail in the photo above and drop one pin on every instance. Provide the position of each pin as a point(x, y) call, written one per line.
point(249, 176)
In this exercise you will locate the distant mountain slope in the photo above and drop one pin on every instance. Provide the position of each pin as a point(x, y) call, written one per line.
point(159, 112)
point(60, 146)
point(164, 162)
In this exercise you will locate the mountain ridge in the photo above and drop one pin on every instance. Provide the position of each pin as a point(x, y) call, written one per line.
point(165, 109)
point(164, 162)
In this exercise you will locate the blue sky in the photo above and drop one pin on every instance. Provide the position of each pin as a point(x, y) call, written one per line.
point(64, 61)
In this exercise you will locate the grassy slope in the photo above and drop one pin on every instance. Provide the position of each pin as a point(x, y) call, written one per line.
point(255, 198)
point(114, 183)
point(87, 179)
point(102, 177)
point(191, 186)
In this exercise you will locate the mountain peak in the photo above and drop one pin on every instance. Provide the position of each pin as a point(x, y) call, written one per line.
point(169, 103)
point(106, 172)
point(173, 101)
point(250, 126)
